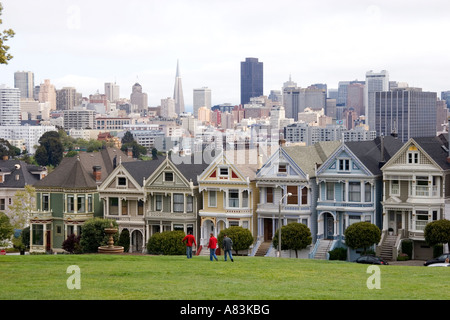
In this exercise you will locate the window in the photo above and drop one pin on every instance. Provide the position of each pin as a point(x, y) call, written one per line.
point(178, 202)
point(245, 199)
point(168, 176)
point(158, 202)
point(122, 181)
point(282, 168)
point(269, 195)
point(223, 171)
point(395, 188)
point(293, 199)
point(45, 202)
point(330, 190)
point(189, 204)
point(367, 192)
point(140, 209)
point(80, 203)
point(344, 164)
point(124, 207)
point(114, 206)
point(305, 195)
point(421, 220)
point(90, 204)
point(422, 186)
point(212, 198)
point(38, 234)
point(413, 157)
point(233, 198)
point(354, 191)
point(70, 203)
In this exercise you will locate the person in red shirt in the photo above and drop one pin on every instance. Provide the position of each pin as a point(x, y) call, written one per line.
point(212, 245)
point(189, 240)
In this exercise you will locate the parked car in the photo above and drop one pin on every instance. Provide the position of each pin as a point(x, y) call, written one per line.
point(439, 259)
point(439, 264)
point(370, 259)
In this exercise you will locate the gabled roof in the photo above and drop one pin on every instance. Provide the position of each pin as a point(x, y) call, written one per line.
point(19, 173)
point(77, 171)
point(142, 169)
point(369, 152)
point(436, 148)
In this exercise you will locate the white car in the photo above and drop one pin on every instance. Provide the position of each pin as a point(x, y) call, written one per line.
point(440, 264)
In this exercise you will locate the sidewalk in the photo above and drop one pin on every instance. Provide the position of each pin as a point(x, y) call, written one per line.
point(407, 263)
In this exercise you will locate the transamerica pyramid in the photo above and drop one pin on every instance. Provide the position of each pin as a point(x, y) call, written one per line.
point(178, 93)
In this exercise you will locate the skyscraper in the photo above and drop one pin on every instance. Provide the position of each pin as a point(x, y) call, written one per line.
point(47, 93)
point(112, 91)
point(251, 79)
point(24, 81)
point(374, 82)
point(9, 106)
point(66, 98)
point(178, 93)
point(409, 112)
point(138, 98)
point(202, 98)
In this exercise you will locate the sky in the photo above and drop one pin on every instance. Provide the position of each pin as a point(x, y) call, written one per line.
point(83, 44)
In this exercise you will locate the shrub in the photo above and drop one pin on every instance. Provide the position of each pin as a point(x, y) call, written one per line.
point(124, 240)
point(72, 244)
point(294, 236)
point(167, 243)
point(338, 254)
point(242, 238)
point(402, 257)
point(407, 247)
point(94, 235)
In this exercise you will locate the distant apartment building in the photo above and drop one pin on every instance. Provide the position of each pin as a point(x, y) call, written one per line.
point(408, 112)
point(202, 98)
point(47, 93)
point(111, 123)
point(29, 134)
point(67, 98)
point(9, 106)
point(79, 119)
point(168, 108)
point(24, 81)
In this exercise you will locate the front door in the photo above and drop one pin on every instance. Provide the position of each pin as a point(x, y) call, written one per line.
point(329, 226)
point(268, 231)
point(48, 241)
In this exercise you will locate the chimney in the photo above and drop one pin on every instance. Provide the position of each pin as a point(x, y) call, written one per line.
point(97, 170)
point(130, 152)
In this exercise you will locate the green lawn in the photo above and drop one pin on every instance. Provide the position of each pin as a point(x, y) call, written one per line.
point(131, 277)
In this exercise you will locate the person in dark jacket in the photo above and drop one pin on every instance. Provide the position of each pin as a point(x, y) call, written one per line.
point(227, 243)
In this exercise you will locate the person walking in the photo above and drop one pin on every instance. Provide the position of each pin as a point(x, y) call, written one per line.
point(212, 245)
point(227, 243)
point(190, 239)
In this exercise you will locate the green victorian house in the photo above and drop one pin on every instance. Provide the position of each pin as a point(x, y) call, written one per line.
point(68, 196)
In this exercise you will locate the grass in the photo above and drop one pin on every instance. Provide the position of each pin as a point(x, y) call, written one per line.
point(134, 277)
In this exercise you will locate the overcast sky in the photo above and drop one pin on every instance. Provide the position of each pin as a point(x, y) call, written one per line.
point(87, 43)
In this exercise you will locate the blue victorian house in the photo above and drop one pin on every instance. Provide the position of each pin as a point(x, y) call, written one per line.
point(350, 190)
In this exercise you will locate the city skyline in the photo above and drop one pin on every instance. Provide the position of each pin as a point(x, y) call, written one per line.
point(135, 41)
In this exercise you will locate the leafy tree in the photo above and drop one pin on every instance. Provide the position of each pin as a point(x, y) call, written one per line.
point(167, 243)
point(94, 235)
point(242, 238)
point(72, 244)
point(5, 36)
point(127, 138)
point(294, 236)
point(362, 235)
point(124, 240)
point(437, 232)
point(6, 149)
point(154, 154)
point(50, 151)
point(22, 205)
point(6, 228)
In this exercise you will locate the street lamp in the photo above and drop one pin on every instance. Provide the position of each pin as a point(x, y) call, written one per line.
point(279, 222)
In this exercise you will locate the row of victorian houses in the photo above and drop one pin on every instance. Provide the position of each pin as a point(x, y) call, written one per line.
point(399, 187)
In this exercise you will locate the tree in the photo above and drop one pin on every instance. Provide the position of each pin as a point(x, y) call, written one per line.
point(362, 235)
point(437, 232)
point(294, 236)
point(124, 240)
point(22, 205)
point(50, 151)
point(5, 36)
point(6, 228)
point(127, 138)
point(242, 238)
point(72, 244)
point(6, 149)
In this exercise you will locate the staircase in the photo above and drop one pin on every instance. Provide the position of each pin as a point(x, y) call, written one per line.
point(263, 248)
point(386, 247)
point(322, 250)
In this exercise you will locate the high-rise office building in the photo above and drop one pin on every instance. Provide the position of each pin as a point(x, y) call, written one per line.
point(202, 98)
point(138, 98)
point(168, 108)
point(178, 93)
point(47, 93)
point(251, 79)
point(66, 98)
point(375, 82)
point(112, 91)
point(24, 81)
point(355, 98)
point(408, 112)
point(296, 99)
point(9, 106)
